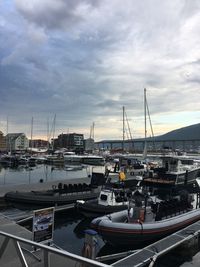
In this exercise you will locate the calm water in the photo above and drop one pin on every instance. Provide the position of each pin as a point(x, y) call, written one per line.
point(70, 226)
point(29, 175)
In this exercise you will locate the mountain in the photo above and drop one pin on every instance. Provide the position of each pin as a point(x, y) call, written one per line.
point(191, 132)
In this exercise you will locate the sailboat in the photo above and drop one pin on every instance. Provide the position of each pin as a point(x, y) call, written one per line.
point(174, 169)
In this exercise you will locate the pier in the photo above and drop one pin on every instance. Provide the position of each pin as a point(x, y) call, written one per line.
point(150, 254)
point(17, 249)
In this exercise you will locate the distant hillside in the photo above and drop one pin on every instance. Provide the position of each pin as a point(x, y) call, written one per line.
point(191, 132)
point(185, 133)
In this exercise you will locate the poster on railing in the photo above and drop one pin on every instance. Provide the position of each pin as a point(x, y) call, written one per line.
point(43, 225)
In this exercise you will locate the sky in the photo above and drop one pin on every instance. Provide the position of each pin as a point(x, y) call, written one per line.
point(65, 65)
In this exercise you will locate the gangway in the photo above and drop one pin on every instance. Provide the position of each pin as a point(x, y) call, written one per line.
point(148, 255)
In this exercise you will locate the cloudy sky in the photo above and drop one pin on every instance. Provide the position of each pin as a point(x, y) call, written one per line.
point(76, 62)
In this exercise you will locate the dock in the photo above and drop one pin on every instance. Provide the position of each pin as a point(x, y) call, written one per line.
point(148, 255)
point(18, 250)
point(23, 216)
point(10, 251)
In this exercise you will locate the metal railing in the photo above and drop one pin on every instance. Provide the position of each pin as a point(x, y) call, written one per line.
point(46, 251)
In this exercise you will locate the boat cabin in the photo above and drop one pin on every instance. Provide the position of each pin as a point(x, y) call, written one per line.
point(114, 196)
point(175, 164)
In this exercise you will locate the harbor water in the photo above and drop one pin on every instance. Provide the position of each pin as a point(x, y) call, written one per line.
point(70, 226)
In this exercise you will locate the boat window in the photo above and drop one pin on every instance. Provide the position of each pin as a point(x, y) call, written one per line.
point(103, 197)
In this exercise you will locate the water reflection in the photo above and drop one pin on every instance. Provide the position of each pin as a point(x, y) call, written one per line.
point(24, 174)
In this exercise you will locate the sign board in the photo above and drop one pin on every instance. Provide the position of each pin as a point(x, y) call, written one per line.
point(43, 225)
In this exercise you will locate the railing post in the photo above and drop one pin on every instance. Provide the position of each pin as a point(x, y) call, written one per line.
point(20, 253)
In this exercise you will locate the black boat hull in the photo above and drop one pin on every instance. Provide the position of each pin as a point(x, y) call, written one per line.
point(93, 209)
point(34, 198)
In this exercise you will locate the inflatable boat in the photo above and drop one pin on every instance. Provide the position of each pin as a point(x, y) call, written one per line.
point(109, 200)
point(147, 221)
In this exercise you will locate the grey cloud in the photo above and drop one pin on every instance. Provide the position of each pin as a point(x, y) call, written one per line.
point(84, 62)
point(55, 14)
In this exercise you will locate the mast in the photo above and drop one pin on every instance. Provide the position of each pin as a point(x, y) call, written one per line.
point(145, 115)
point(93, 130)
point(91, 143)
point(54, 127)
point(123, 129)
point(48, 137)
point(145, 125)
point(32, 135)
point(7, 141)
point(129, 132)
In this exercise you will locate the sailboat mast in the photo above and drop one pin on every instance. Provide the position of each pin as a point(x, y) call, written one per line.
point(123, 128)
point(145, 125)
point(31, 134)
point(48, 135)
point(145, 115)
point(54, 126)
point(7, 141)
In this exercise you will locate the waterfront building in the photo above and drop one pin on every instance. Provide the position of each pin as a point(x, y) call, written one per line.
point(71, 141)
point(16, 141)
point(2, 142)
point(38, 143)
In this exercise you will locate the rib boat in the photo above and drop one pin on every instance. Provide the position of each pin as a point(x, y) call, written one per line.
point(59, 194)
point(147, 220)
point(110, 199)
